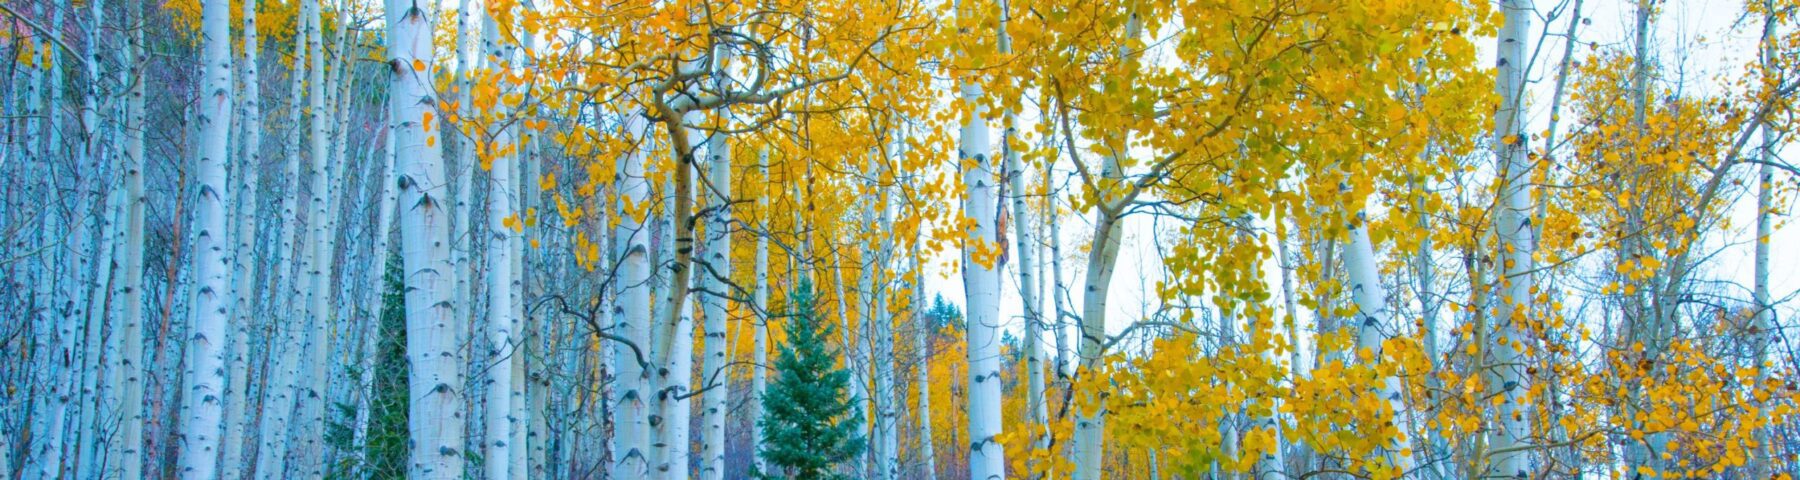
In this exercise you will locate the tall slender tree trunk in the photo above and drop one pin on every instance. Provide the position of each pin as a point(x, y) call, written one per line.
point(716, 281)
point(281, 390)
point(499, 422)
point(128, 367)
point(759, 355)
point(1762, 329)
point(1036, 410)
point(880, 324)
point(231, 460)
point(1517, 242)
point(435, 410)
point(981, 286)
point(322, 245)
point(631, 428)
point(211, 257)
point(923, 327)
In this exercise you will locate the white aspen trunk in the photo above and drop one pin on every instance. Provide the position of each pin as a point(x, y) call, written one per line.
point(922, 330)
point(759, 377)
point(855, 362)
point(1764, 323)
point(1036, 411)
point(231, 459)
point(631, 428)
point(1373, 327)
point(434, 417)
point(878, 339)
point(126, 451)
point(60, 260)
point(715, 278)
point(981, 286)
point(281, 390)
point(322, 245)
point(1058, 292)
point(498, 416)
point(674, 406)
point(384, 227)
point(1090, 423)
point(462, 232)
point(1103, 254)
point(1290, 321)
point(100, 265)
point(211, 256)
point(1513, 227)
point(675, 336)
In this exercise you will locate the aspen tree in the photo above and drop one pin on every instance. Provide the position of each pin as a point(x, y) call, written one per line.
point(211, 260)
point(433, 359)
point(1513, 227)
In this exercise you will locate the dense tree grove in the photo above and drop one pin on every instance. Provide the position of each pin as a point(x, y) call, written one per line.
point(901, 239)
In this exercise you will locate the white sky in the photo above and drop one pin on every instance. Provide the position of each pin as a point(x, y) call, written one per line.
point(1692, 38)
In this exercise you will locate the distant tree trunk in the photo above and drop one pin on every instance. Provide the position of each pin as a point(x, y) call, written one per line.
point(128, 367)
point(211, 258)
point(880, 328)
point(386, 172)
point(1036, 411)
point(759, 379)
point(434, 418)
point(237, 402)
point(281, 389)
point(1762, 329)
point(310, 454)
point(99, 267)
point(1513, 226)
point(923, 327)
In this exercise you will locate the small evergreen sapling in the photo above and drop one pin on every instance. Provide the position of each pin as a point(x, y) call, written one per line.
point(808, 425)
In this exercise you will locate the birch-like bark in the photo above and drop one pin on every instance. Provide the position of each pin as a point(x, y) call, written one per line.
point(211, 257)
point(1037, 411)
point(62, 258)
point(923, 327)
point(1373, 328)
point(128, 368)
point(855, 362)
point(631, 428)
point(498, 416)
point(98, 267)
point(1506, 450)
point(231, 459)
point(1103, 255)
point(759, 355)
point(434, 414)
point(981, 286)
point(381, 251)
point(879, 324)
point(675, 332)
point(1764, 324)
point(322, 245)
point(281, 390)
point(715, 278)
point(469, 28)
